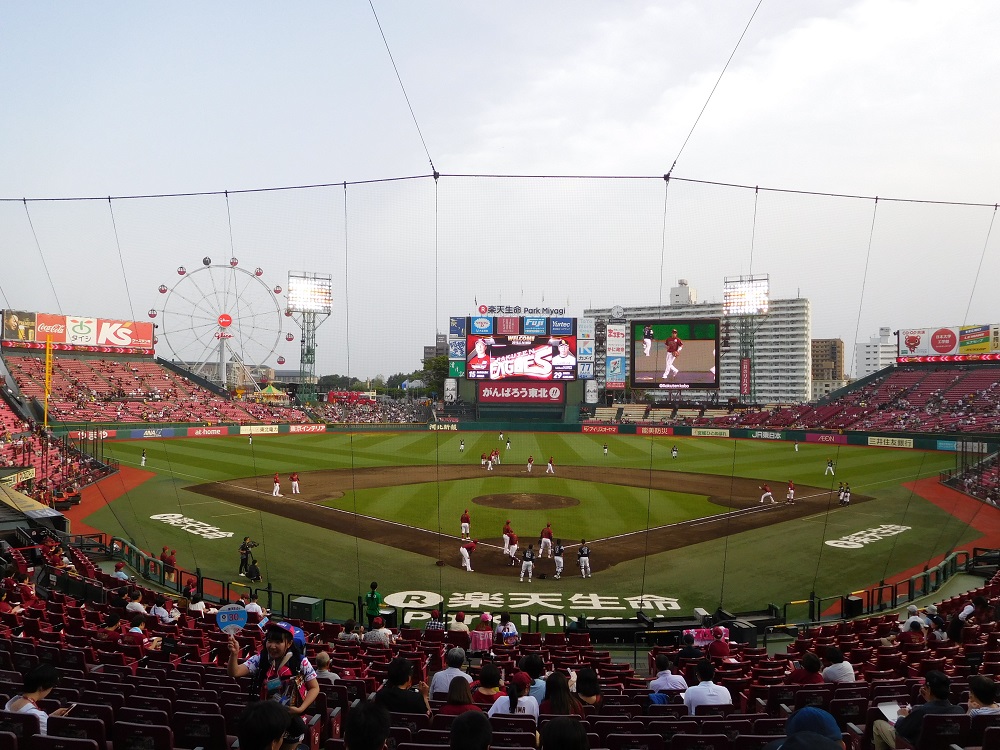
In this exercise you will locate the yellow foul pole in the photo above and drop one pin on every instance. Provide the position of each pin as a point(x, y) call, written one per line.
point(48, 379)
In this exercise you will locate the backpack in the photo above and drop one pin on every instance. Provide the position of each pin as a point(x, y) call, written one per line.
point(292, 691)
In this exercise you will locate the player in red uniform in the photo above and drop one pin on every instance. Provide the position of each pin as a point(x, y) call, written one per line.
point(550, 469)
point(790, 494)
point(277, 486)
point(294, 478)
point(531, 463)
point(766, 489)
point(512, 548)
point(466, 551)
point(507, 531)
point(673, 346)
point(466, 521)
point(545, 541)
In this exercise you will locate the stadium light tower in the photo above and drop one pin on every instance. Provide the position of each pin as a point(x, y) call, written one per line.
point(310, 303)
point(745, 300)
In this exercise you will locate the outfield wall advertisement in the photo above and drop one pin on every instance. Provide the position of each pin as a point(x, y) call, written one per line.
point(34, 330)
point(553, 393)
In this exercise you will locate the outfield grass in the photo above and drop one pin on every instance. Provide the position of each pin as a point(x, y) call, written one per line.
point(779, 563)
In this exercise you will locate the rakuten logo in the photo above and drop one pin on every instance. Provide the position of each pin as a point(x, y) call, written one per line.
point(861, 538)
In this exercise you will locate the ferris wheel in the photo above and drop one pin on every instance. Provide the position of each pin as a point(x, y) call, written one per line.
point(221, 322)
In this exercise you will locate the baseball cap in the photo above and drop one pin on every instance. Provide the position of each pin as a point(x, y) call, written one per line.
point(283, 626)
point(460, 616)
point(812, 719)
point(522, 680)
point(435, 613)
point(486, 617)
point(930, 609)
point(912, 609)
point(378, 622)
point(718, 632)
point(119, 565)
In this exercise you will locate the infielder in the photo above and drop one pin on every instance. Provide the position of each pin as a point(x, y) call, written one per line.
point(489, 462)
point(501, 436)
point(583, 558)
point(829, 468)
point(277, 486)
point(507, 531)
point(766, 489)
point(294, 479)
point(674, 346)
point(529, 563)
point(531, 462)
point(790, 494)
point(482, 459)
point(466, 524)
point(647, 340)
point(545, 541)
point(847, 494)
point(550, 469)
point(508, 443)
point(142, 461)
point(512, 549)
point(559, 552)
point(466, 551)
point(673, 452)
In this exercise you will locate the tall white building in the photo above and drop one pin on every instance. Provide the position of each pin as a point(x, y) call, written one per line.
point(879, 353)
point(783, 347)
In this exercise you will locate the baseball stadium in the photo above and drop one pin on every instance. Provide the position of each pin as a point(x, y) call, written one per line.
point(601, 426)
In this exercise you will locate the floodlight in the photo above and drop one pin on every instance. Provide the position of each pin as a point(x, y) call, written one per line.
point(310, 292)
point(746, 295)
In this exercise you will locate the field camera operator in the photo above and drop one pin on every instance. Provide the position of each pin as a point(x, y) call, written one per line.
point(248, 544)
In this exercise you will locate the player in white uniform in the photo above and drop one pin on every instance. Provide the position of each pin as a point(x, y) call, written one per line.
point(559, 551)
point(583, 557)
point(605, 449)
point(528, 565)
point(829, 468)
point(143, 461)
point(461, 447)
point(647, 340)
point(673, 452)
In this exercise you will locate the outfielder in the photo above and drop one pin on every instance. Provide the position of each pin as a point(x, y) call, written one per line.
point(466, 551)
point(461, 447)
point(647, 340)
point(674, 346)
point(583, 558)
point(531, 462)
point(277, 486)
point(545, 541)
point(142, 461)
point(550, 469)
point(294, 478)
point(508, 443)
point(673, 452)
point(766, 489)
point(512, 550)
point(559, 552)
point(605, 449)
point(466, 524)
point(529, 563)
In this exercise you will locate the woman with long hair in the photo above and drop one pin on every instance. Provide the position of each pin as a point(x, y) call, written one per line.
point(558, 698)
point(488, 689)
point(459, 698)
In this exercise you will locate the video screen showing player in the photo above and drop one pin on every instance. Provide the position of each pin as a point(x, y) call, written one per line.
point(521, 357)
point(675, 354)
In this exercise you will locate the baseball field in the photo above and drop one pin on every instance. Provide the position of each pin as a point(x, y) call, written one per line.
point(678, 532)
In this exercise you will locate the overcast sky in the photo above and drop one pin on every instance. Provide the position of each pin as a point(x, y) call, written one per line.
point(873, 98)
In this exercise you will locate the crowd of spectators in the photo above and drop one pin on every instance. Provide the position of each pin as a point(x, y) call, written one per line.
point(384, 410)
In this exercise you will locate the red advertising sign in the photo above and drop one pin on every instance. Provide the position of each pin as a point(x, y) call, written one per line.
point(50, 327)
point(78, 333)
point(307, 428)
point(207, 431)
point(640, 430)
point(550, 393)
point(600, 429)
point(745, 376)
point(508, 326)
point(92, 434)
point(815, 437)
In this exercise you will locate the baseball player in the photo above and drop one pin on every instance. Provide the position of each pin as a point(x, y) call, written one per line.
point(294, 479)
point(496, 456)
point(277, 486)
point(766, 489)
point(647, 340)
point(466, 524)
point(501, 436)
point(673, 452)
point(466, 551)
point(550, 469)
point(790, 493)
point(512, 549)
point(528, 565)
point(251, 440)
point(482, 459)
point(583, 558)
point(605, 449)
point(142, 461)
point(508, 443)
point(489, 462)
point(461, 447)
point(674, 346)
point(507, 531)
point(531, 462)
point(559, 552)
point(829, 468)
point(847, 495)
point(545, 541)
point(796, 446)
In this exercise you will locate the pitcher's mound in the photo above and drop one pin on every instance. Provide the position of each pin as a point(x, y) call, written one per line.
point(526, 501)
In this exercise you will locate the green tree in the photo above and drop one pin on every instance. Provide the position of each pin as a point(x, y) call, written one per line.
point(434, 374)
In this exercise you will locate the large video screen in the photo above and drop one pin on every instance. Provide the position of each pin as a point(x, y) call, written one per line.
point(671, 354)
point(496, 357)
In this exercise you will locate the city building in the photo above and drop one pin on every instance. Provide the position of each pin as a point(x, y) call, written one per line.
point(782, 367)
point(880, 352)
point(827, 367)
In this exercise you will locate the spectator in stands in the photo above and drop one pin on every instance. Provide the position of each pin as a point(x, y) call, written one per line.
point(454, 661)
point(517, 701)
point(190, 587)
point(135, 603)
point(398, 694)
point(120, 573)
point(160, 612)
point(912, 615)
point(978, 610)
point(488, 689)
point(982, 696)
point(38, 683)
point(25, 589)
point(808, 671)
point(689, 650)
point(470, 731)
point(535, 667)
point(436, 622)
point(564, 733)
point(719, 647)
point(323, 673)
point(929, 612)
point(837, 668)
point(198, 608)
point(810, 728)
point(138, 633)
point(119, 598)
point(459, 623)
point(379, 633)
point(937, 631)
point(262, 726)
point(6, 607)
point(110, 631)
point(559, 699)
point(279, 672)
point(254, 605)
point(588, 688)
point(935, 691)
point(912, 636)
point(706, 692)
point(366, 727)
point(459, 699)
point(505, 632)
point(352, 631)
point(665, 678)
